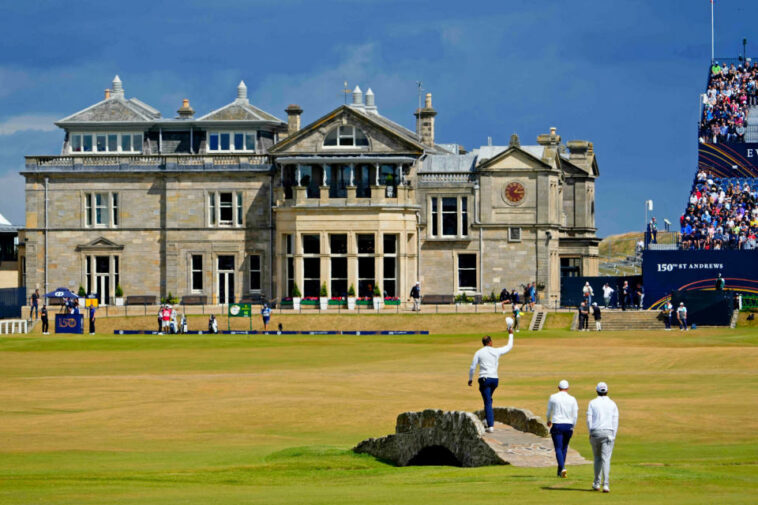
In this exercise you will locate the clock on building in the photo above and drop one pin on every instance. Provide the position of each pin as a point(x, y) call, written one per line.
point(514, 192)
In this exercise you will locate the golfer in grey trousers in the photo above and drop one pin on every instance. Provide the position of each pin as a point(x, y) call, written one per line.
point(602, 423)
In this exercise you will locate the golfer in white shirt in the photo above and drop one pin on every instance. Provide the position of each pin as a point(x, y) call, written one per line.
point(602, 423)
point(487, 358)
point(562, 411)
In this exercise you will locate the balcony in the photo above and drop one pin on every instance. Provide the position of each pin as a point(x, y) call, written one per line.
point(324, 196)
point(146, 163)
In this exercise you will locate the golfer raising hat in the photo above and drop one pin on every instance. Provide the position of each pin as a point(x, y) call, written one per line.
point(487, 358)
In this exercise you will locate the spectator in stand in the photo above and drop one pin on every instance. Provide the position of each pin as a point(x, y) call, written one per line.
point(626, 295)
point(652, 232)
point(505, 297)
point(730, 92)
point(587, 293)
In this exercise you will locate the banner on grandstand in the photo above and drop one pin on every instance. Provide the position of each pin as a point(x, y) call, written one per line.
point(667, 271)
point(728, 160)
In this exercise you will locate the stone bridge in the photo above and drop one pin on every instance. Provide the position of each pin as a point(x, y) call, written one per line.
point(437, 437)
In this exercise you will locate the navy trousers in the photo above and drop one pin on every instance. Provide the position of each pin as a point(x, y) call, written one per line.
point(561, 435)
point(487, 386)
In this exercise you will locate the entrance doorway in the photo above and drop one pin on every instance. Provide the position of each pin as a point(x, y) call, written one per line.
point(225, 268)
point(102, 279)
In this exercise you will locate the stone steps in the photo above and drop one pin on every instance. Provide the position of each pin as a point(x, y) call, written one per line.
point(625, 321)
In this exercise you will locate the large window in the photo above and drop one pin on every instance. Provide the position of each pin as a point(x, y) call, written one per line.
point(338, 258)
point(231, 141)
point(197, 273)
point(366, 265)
point(449, 216)
point(467, 272)
point(571, 267)
point(346, 136)
point(101, 209)
point(390, 265)
point(255, 272)
point(289, 265)
point(311, 265)
point(102, 276)
point(106, 142)
point(225, 208)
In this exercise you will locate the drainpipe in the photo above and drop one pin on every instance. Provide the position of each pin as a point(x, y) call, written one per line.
point(271, 237)
point(46, 228)
point(481, 239)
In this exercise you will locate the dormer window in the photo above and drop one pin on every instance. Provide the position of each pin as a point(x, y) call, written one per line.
point(231, 141)
point(346, 136)
point(106, 143)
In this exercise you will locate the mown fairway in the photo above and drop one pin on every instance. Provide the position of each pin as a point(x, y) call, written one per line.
point(269, 420)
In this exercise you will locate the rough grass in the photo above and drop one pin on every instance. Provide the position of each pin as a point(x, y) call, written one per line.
point(245, 420)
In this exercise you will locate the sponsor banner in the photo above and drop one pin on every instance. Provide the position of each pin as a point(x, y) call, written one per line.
point(235, 332)
point(240, 310)
point(360, 332)
point(728, 160)
point(667, 271)
point(69, 323)
point(318, 332)
point(399, 332)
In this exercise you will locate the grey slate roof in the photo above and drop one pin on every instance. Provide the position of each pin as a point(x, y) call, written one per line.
point(114, 109)
point(239, 111)
point(449, 163)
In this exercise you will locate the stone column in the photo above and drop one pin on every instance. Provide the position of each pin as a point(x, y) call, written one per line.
point(352, 259)
point(298, 262)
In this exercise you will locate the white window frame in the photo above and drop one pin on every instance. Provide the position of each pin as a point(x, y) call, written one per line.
point(213, 204)
point(251, 270)
point(434, 218)
point(458, 286)
point(109, 207)
point(106, 134)
point(248, 136)
point(341, 136)
point(514, 237)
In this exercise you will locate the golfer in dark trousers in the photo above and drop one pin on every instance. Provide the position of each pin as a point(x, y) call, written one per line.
point(562, 411)
point(487, 358)
point(92, 320)
point(45, 323)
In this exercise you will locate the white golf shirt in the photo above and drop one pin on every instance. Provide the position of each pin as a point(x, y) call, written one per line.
point(602, 414)
point(562, 409)
point(487, 358)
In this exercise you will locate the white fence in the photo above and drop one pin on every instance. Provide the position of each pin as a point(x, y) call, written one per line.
point(9, 326)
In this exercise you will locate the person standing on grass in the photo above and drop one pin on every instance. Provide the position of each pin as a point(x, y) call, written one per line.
point(602, 423)
point(516, 316)
point(416, 296)
point(266, 316)
point(681, 316)
point(487, 359)
point(562, 411)
point(92, 310)
point(596, 314)
point(35, 305)
point(668, 314)
point(45, 324)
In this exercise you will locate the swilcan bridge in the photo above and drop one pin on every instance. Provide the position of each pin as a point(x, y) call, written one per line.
point(457, 438)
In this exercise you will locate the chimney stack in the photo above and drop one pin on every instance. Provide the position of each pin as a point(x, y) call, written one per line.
point(118, 88)
point(425, 121)
point(293, 119)
point(185, 111)
point(549, 139)
point(107, 94)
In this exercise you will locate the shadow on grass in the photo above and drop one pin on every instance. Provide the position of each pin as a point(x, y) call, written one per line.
point(548, 488)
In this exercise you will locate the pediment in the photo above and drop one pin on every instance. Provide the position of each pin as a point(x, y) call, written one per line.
point(239, 111)
point(100, 244)
point(385, 137)
point(512, 158)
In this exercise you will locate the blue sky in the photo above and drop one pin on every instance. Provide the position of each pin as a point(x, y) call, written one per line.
point(625, 75)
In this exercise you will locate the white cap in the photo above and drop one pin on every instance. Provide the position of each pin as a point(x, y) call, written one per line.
point(509, 322)
point(564, 384)
point(602, 387)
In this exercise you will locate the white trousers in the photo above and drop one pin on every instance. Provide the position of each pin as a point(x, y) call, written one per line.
point(602, 448)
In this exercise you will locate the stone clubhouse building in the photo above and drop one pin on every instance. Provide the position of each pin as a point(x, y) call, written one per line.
point(238, 204)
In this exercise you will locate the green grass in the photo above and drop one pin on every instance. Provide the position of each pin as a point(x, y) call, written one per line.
point(269, 420)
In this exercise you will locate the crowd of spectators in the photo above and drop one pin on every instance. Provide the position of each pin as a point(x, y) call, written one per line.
point(731, 91)
point(721, 214)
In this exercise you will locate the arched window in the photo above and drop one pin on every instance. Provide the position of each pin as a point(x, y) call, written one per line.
point(346, 136)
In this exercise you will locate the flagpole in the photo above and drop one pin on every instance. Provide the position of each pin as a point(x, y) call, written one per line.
point(713, 56)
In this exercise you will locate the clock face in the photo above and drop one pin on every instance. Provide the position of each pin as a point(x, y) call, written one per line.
point(514, 192)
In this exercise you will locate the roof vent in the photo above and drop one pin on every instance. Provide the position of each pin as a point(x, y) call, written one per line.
point(242, 92)
point(185, 111)
point(118, 88)
point(370, 102)
point(107, 94)
point(357, 96)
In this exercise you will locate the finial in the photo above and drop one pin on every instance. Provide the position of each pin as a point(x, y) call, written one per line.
point(118, 87)
point(241, 91)
point(515, 142)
